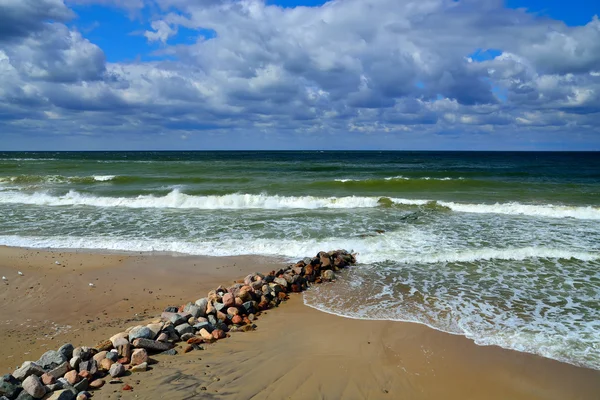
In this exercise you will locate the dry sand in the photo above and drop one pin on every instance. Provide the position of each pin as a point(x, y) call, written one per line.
point(296, 353)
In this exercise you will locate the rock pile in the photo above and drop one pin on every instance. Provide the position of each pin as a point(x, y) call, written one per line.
point(68, 373)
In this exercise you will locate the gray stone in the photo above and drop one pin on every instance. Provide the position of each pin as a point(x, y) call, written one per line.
point(50, 360)
point(281, 281)
point(66, 350)
point(249, 307)
point(83, 352)
point(151, 344)
point(28, 368)
point(186, 336)
point(328, 275)
point(205, 325)
point(171, 352)
point(140, 332)
point(219, 306)
point(64, 394)
point(82, 385)
point(34, 387)
point(192, 309)
point(60, 371)
point(24, 396)
point(178, 319)
point(74, 362)
point(202, 303)
point(171, 309)
point(55, 386)
point(84, 395)
point(91, 366)
point(112, 356)
point(116, 370)
point(10, 386)
point(184, 328)
point(222, 326)
point(212, 319)
point(155, 328)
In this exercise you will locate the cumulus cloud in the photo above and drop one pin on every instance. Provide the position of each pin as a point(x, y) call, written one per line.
point(404, 68)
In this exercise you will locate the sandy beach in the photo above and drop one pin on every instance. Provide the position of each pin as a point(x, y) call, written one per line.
point(296, 352)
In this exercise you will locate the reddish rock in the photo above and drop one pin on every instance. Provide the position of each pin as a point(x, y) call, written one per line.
point(246, 320)
point(48, 379)
point(72, 377)
point(218, 334)
point(124, 360)
point(232, 311)
point(236, 319)
point(139, 356)
point(163, 337)
point(221, 316)
point(97, 384)
point(282, 296)
point(263, 305)
point(228, 300)
point(296, 288)
point(127, 387)
point(188, 348)
point(195, 340)
point(308, 270)
point(325, 262)
point(85, 375)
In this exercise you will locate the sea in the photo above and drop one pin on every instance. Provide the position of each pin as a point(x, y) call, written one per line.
point(503, 248)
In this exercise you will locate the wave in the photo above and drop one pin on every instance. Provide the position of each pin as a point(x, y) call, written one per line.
point(177, 199)
point(398, 178)
point(33, 179)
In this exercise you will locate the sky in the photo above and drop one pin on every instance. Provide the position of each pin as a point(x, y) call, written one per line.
point(299, 74)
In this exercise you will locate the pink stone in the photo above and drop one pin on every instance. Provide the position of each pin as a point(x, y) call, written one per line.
point(72, 377)
point(228, 300)
point(139, 356)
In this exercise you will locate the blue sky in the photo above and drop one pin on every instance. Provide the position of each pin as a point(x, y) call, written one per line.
point(230, 74)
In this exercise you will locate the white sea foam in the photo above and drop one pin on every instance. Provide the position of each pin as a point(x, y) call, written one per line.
point(104, 178)
point(399, 178)
point(177, 199)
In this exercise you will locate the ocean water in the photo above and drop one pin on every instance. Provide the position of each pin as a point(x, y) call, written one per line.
point(503, 248)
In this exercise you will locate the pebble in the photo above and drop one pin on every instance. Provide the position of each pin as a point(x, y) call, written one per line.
point(82, 385)
point(163, 337)
point(171, 352)
point(100, 356)
point(84, 396)
point(116, 370)
point(218, 334)
point(127, 387)
point(97, 384)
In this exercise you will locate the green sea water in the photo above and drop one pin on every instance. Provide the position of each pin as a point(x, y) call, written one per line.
point(503, 248)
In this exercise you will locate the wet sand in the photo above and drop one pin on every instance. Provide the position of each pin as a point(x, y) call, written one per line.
point(296, 352)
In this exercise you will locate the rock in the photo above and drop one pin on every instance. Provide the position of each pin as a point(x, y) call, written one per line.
point(83, 352)
point(84, 396)
point(236, 319)
point(249, 307)
point(28, 368)
point(232, 311)
point(155, 329)
point(66, 350)
point(325, 262)
point(186, 336)
point(210, 309)
point(171, 309)
point(112, 356)
point(245, 293)
point(116, 370)
point(140, 368)
point(218, 334)
point(72, 377)
point(23, 396)
point(188, 348)
point(34, 387)
point(184, 328)
point(74, 362)
point(139, 356)
point(238, 302)
point(104, 345)
point(203, 325)
point(50, 360)
point(195, 340)
point(212, 319)
point(100, 356)
point(98, 383)
point(206, 335)
point(60, 371)
point(171, 352)
point(124, 351)
point(10, 386)
point(221, 316)
point(178, 319)
point(228, 300)
point(280, 281)
point(105, 364)
point(55, 386)
point(163, 337)
point(192, 309)
point(118, 339)
point(91, 366)
point(140, 332)
point(127, 387)
point(202, 304)
point(151, 344)
point(48, 379)
point(82, 385)
point(64, 394)
point(220, 306)
point(328, 275)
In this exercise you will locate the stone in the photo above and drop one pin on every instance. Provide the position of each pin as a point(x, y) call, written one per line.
point(202, 304)
point(124, 351)
point(140, 332)
point(163, 337)
point(104, 345)
point(155, 329)
point(192, 309)
point(105, 364)
point(34, 387)
point(28, 368)
point(184, 328)
point(72, 377)
point(86, 375)
point(91, 366)
point(127, 387)
point(55, 386)
point(188, 348)
point(249, 307)
point(220, 307)
point(83, 352)
point(100, 356)
point(97, 384)
point(218, 334)
point(221, 316)
point(203, 325)
point(206, 335)
point(228, 300)
point(186, 336)
point(64, 394)
point(82, 385)
point(245, 293)
point(195, 340)
point(116, 370)
point(171, 309)
point(66, 350)
point(151, 344)
point(48, 379)
point(139, 356)
point(280, 281)
point(238, 302)
point(118, 339)
point(74, 362)
point(328, 275)
point(60, 371)
point(171, 352)
point(51, 359)
point(232, 311)
point(10, 386)
point(212, 319)
point(112, 356)
point(23, 396)
point(179, 318)
point(210, 309)
point(140, 368)
point(236, 319)
point(84, 396)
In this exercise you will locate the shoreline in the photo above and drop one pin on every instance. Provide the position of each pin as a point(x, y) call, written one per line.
point(411, 356)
